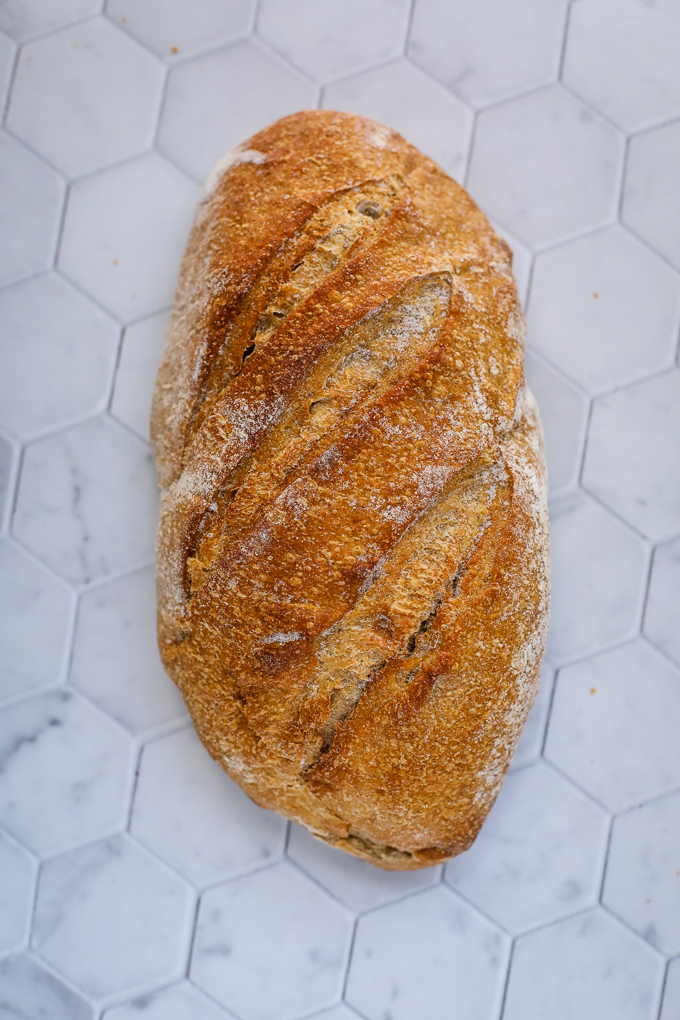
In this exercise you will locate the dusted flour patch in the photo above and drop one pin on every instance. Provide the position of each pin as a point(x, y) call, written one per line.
point(352, 559)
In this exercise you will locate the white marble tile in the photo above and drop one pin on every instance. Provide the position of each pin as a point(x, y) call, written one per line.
point(650, 205)
point(86, 97)
point(521, 261)
point(87, 502)
point(190, 813)
point(46, 322)
point(587, 966)
point(7, 56)
point(176, 30)
point(271, 945)
point(539, 855)
point(533, 734)
point(491, 50)
point(397, 95)
point(642, 881)
point(32, 604)
point(136, 373)
point(545, 166)
point(427, 956)
point(31, 200)
point(179, 1002)
point(115, 655)
point(598, 571)
point(621, 56)
point(564, 416)
point(17, 884)
point(614, 725)
point(25, 19)
point(663, 600)
point(315, 37)
point(29, 991)
point(125, 233)
point(66, 772)
point(357, 883)
point(6, 473)
point(215, 102)
point(110, 917)
point(601, 294)
point(671, 994)
point(633, 443)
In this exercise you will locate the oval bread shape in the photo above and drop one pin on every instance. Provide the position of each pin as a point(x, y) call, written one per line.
point(352, 557)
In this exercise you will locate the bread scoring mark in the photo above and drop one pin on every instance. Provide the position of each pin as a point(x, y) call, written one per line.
point(373, 354)
point(391, 620)
point(341, 226)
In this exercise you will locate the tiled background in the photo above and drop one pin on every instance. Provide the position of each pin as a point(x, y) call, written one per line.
point(135, 879)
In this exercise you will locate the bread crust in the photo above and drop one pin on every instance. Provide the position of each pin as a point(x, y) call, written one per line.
point(353, 552)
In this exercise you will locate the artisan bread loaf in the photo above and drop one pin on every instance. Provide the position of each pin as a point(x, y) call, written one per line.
point(353, 566)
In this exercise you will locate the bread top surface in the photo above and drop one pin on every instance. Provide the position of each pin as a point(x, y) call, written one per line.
point(352, 555)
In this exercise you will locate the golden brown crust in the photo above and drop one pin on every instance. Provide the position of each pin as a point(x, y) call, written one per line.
point(353, 550)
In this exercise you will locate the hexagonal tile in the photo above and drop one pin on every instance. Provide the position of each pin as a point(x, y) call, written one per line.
point(545, 165)
point(31, 200)
point(396, 95)
point(421, 955)
point(110, 917)
point(316, 38)
point(31, 602)
point(62, 754)
point(87, 501)
point(663, 600)
point(634, 437)
point(603, 293)
point(28, 990)
point(86, 97)
point(136, 373)
point(179, 1002)
point(189, 812)
point(533, 734)
point(564, 416)
point(7, 55)
point(485, 53)
point(271, 945)
point(17, 882)
point(115, 655)
point(671, 993)
point(539, 855)
point(598, 568)
point(125, 233)
point(179, 29)
point(614, 725)
point(621, 57)
point(214, 102)
point(642, 882)
point(587, 966)
point(24, 20)
point(47, 322)
point(650, 203)
point(6, 471)
point(357, 883)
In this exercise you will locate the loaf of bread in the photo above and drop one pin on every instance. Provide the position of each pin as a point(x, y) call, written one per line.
point(352, 559)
